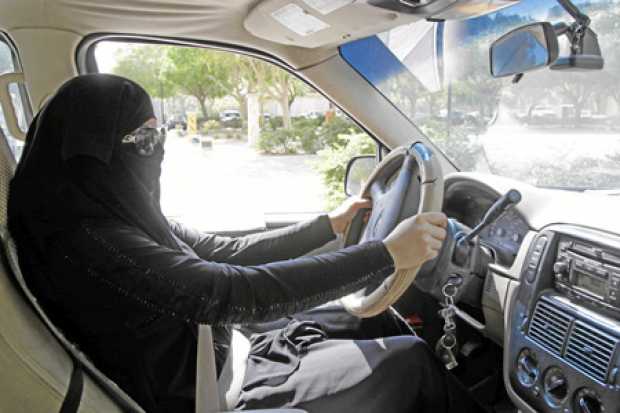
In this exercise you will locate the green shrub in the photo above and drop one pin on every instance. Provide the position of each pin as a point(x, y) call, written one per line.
point(273, 122)
point(332, 164)
point(210, 126)
point(278, 142)
point(306, 136)
point(302, 122)
point(330, 132)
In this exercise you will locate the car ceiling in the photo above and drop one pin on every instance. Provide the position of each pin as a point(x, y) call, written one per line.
point(218, 21)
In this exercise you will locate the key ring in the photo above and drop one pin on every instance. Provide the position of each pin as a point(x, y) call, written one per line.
point(449, 326)
point(448, 341)
point(449, 290)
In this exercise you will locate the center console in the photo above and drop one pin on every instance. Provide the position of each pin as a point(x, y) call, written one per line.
point(563, 348)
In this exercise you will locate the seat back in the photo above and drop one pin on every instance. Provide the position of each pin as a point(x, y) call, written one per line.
point(36, 360)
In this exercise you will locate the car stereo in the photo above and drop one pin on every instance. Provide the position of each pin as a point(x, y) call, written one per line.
point(589, 273)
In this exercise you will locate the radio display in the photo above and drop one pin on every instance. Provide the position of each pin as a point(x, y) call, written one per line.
point(590, 283)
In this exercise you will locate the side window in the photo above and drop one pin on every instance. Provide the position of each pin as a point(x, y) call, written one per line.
point(9, 62)
point(248, 142)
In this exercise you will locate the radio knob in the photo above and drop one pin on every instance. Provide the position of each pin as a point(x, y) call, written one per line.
point(560, 267)
point(587, 401)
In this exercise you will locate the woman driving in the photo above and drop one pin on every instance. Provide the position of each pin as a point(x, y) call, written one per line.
point(131, 287)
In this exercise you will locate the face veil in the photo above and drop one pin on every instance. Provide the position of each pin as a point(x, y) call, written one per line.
point(74, 167)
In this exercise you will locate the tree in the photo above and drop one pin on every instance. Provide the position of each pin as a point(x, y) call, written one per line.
point(199, 73)
point(575, 88)
point(245, 74)
point(607, 25)
point(146, 65)
point(282, 87)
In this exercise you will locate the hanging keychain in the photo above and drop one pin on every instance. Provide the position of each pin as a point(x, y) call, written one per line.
point(446, 347)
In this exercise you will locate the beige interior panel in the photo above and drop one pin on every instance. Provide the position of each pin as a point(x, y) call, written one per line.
point(201, 20)
point(8, 109)
point(48, 58)
point(351, 21)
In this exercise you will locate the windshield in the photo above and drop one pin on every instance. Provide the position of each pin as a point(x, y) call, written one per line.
point(552, 129)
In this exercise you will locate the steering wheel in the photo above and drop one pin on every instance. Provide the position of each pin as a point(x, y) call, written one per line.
point(408, 181)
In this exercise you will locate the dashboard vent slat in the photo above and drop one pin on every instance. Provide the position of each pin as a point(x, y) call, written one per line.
point(590, 350)
point(549, 326)
point(599, 352)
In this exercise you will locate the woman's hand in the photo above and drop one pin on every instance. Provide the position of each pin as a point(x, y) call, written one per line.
point(342, 216)
point(416, 240)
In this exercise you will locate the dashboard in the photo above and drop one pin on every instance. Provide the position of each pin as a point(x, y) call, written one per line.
point(552, 296)
point(468, 201)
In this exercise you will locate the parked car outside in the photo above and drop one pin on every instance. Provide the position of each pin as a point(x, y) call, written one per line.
point(230, 115)
point(177, 122)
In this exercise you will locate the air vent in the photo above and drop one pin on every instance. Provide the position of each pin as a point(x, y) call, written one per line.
point(590, 350)
point(549, 326)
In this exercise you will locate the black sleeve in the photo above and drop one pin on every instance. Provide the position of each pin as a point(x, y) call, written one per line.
point(275, 245)
point(125, 262)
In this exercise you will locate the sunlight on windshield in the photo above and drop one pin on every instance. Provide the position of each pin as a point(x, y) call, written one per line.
point(556, 129)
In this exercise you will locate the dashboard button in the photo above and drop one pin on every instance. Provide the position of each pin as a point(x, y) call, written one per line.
point(584, 249)
point(540, 244)
point(560, 267)
point(612, 259)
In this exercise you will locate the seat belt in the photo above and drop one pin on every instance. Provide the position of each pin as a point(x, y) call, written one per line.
point(207, 389)
point(72, 400)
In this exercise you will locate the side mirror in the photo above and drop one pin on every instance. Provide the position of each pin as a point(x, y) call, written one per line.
point(359, 169)
point(524, 49)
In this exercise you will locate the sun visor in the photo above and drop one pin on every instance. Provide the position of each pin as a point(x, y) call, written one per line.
point(325, 23)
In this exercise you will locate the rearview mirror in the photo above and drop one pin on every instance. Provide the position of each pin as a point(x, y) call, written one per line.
point(359, 169)
point(524, 49)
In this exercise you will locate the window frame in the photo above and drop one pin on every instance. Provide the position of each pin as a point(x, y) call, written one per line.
point(23, 90)
point(24, 96)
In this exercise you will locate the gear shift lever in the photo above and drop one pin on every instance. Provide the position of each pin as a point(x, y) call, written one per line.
point(505, 202)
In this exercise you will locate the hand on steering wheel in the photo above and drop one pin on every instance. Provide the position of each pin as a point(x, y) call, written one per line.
point(407, 182)
point(416, 240)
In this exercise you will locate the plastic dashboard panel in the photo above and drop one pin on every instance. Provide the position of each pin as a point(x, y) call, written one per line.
point(580, 378)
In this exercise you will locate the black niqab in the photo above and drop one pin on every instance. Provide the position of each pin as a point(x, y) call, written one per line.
point(74, 167)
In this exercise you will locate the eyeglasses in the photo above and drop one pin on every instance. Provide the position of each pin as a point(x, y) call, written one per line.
point(145, 140)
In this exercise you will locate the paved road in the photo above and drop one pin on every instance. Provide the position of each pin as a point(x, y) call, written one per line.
point(232, 187)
